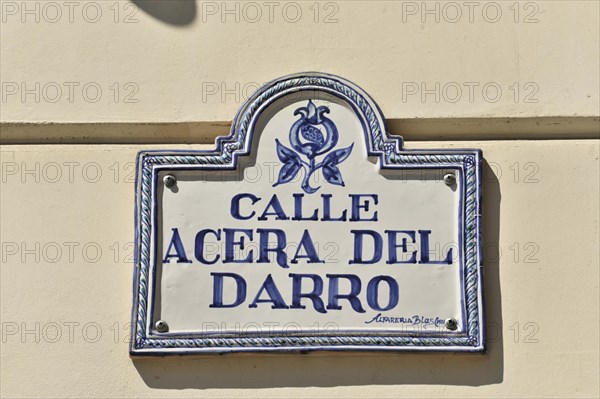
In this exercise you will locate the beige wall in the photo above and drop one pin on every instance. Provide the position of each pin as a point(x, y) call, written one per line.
point(202, 71)
point(67, 209)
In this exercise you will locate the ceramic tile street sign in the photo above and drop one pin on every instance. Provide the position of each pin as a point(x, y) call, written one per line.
point(310, 227)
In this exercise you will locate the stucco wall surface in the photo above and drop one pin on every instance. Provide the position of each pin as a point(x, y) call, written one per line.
point(67, 272)
point(174, 61)
point(111, 78)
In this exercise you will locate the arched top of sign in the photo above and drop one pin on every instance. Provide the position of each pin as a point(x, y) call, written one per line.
point(377, 140)
point(364, 106)
point(313, 132)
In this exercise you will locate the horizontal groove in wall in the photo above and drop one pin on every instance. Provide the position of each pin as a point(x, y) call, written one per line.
point(425, 129)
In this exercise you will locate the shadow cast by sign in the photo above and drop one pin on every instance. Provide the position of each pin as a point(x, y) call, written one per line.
point(352, 369)
point(419, 191)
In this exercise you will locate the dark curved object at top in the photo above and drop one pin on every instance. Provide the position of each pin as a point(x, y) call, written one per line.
point(172, 12)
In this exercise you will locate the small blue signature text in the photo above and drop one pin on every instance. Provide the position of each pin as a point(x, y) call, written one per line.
point(415, 320)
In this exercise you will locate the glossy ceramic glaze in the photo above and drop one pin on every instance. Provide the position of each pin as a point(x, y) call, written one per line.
point(308, 228)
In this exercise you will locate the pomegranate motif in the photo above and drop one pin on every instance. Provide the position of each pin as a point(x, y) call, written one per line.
point(311, 136)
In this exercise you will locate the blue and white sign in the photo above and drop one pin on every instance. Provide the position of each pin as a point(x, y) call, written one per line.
point(309, 227)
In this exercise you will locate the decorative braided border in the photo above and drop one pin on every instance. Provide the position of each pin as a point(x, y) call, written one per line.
point(391, 156)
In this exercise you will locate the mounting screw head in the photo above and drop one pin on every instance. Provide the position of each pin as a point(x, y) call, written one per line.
point(161, 326)
point(169, 180)
point(449, 179)
point(451, 324)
